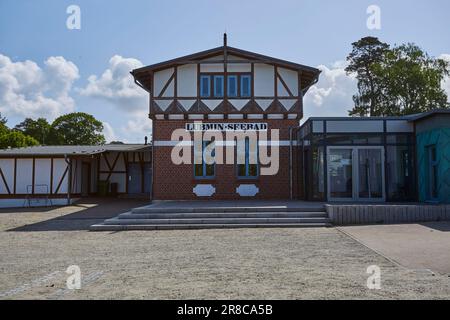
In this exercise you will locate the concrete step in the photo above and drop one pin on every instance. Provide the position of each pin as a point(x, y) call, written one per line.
point(197, 221)
point(131, 215)
point(149, 209)
point(130, 227)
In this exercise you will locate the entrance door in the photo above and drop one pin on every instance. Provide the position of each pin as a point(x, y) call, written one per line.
point(370, 174)
point(134, 178)
point(356, 173)
point(340, 174)
point(135, 174)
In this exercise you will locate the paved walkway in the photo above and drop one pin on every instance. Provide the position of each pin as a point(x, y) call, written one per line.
point(414, 246)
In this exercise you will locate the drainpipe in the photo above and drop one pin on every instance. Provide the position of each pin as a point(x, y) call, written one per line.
point(291, 131)
point(153, 165)
point(69, 183)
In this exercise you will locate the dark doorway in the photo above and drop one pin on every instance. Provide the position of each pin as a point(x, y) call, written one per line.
point(85, 179)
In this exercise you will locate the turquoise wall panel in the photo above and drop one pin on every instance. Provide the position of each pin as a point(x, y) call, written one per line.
point(440, 138)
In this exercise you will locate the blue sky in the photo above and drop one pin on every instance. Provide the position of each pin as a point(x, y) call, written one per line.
point(115, 35)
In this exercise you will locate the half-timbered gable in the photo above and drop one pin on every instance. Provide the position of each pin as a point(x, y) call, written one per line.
point(226, 82)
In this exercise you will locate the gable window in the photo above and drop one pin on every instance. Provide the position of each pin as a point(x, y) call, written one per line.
point(218, 86)
point(204, 165)
point(212, 85)
point(246, 86)
point(249, 168)
point(205, 86)
point(232, 86)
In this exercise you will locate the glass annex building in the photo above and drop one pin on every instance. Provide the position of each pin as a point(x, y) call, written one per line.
point(376, 159)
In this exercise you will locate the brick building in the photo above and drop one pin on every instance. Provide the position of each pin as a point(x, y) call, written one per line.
point(219, 92)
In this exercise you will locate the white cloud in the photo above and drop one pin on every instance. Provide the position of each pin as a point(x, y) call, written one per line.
point(116, 85)
point(332, 95)
point(446, 82)
point(137, 128)
point(108, 132)
point(27, 90)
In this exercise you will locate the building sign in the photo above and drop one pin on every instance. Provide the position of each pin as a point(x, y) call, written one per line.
point(226, 126)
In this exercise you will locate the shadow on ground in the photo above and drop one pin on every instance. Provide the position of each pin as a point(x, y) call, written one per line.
point(80, 216)
point(443, 226)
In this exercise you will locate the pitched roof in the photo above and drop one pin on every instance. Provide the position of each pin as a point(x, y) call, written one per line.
point(423, 115)
point(309, 74)
point(71, 150)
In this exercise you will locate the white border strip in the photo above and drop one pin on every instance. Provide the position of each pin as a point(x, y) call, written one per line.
point(282, 143)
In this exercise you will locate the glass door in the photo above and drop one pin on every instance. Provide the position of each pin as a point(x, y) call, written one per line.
point(370, 174)
point(340, 173)
point(356, 174)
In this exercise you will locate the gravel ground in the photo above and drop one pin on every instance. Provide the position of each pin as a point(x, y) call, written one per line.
point(37, 246)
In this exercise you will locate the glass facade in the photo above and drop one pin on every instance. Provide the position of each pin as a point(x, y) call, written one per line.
point(373, 166)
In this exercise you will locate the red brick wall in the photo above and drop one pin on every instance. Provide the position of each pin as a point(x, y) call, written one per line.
point(176, 182)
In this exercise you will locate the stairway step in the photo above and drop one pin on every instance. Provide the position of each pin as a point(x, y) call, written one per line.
point(126, 227)
point(150, 210)
point(215, 221)
point(130, 215)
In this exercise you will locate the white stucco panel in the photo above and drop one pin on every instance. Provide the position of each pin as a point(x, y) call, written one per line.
point(163, 104)
point(186, 104)
point(212, 104)
point(187, 80)
point(7, 166)
point(59, 166)
point(211, 67)
point(287, 103)
point(239, 67)
point(290, 77)
point(239, 104)
point(264, 104)
point(24, 175)
point(42, 176)
point(264, 80)
point(160, 79)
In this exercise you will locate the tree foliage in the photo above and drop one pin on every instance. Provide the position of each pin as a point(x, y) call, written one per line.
point(3, 128)
point(77, 128)
point(411, 81)
point(366, 53)
point(395, 81)
point(38, 129)
point(16, 139)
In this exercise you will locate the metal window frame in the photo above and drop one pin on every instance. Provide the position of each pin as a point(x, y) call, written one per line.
point(355, 174)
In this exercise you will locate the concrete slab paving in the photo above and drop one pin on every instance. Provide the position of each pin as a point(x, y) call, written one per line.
point(414, 246)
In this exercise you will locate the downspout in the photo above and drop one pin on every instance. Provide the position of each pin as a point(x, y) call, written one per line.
point(69, 180)
point(152, 140)
point(153, 166)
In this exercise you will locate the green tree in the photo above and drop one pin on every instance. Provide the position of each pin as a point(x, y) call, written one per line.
point(77, 129)
point(366, 53)
point(3, 128)
point(38, 129)
point(411, 81)
point(16, 139)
